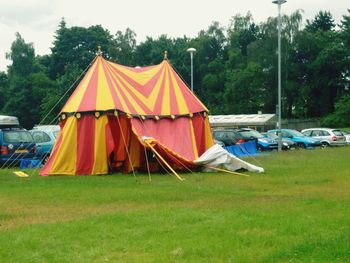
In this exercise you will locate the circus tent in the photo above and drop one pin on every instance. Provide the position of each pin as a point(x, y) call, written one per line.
point(125, 118)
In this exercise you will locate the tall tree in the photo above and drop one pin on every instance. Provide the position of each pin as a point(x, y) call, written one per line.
point(151, 52)
point(3, 89)
point(341, 115)
point(242, 32)
point(318, 59)
point(122, 47)
point(20, 102)
point(209, 64)
point(77, 45)
point(241, 94)
point(323, 21)
point(345, 37)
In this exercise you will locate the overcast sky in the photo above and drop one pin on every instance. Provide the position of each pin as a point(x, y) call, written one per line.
point(37, 20)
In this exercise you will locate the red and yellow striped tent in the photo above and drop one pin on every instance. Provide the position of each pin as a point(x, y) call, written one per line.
point(117, 114)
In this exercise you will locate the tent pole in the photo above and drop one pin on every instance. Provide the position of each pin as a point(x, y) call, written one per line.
point(160, 157)
point(146, 156)
point(226, 171)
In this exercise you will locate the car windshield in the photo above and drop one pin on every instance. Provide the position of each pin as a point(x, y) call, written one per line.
point(345, 132)
point(251, 134)
point(17, 137)
point(296, 133)
point(271, 135)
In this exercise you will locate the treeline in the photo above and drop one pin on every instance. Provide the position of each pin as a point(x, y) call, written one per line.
point(235, 68)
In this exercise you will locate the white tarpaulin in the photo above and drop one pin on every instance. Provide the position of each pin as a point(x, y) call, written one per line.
point(218, 157)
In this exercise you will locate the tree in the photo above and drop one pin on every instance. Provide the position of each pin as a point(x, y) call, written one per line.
point(151, 52)
point(19, 102)
point(209, 66)
point(323, 21)
point(341, 115)
point(242, 32)
point(245, 90)
point(122, 47)
point(77, 45)
point(3, 89)
point(345, 38)
point(319, 61)
point(27, 84)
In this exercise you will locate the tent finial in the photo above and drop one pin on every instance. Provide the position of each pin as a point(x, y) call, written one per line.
point(99, 52)
point(165, 55)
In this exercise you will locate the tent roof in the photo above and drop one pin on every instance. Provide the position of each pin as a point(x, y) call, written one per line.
point(153, 90)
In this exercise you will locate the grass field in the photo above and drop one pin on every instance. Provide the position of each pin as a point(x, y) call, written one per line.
point(298, 211)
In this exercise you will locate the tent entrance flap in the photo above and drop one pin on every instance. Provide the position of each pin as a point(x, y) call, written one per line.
point(118, 140)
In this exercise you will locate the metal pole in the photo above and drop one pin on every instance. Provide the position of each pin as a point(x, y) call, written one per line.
point(191, 50)
point(191, 71)
point(279, 110)
point(279, 78)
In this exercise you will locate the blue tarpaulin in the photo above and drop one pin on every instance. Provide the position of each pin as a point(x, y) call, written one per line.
point(29, 163)
point(244, 149)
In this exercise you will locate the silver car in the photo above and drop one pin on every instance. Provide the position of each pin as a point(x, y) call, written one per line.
point(347, 136)
point(328, 137)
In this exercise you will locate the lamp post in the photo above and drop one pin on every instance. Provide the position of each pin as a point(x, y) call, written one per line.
point(191, 50)
point(279, 3)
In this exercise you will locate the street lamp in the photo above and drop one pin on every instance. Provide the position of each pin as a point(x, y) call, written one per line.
point(191, 50)
point(279, 3)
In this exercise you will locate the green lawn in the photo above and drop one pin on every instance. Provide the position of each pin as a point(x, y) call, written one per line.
point(298, 211)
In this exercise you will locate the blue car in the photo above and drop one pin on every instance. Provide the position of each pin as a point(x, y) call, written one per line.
point(44, 137)
point(263, 143)
point(16, 143)
point(300, 139)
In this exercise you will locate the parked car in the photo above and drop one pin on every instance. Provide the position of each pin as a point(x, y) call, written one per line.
point(227, 137)
point(16, 143)
point(347, 136)
point(300, 139)
point(287, 144)
point(263, 143)
point(328, 137)
point(44, 137)
point(219, 143)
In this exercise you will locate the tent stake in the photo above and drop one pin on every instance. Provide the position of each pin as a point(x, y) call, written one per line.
point(226, 171)
point(160, 157)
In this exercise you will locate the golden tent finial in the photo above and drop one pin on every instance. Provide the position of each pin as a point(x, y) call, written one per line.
point(99, 52)
point(165, 55)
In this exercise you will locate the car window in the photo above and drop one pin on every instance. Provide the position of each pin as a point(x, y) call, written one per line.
point(337, 132)
point(307, 133)
point(227, 137)
point(272, 132)
point(271, 135)
point(317, 133)
point(17, 137)
point(325, 133)
point(296, 133)
point(41, 137)
point(250, 134)
point(285, 134)
point(218, 135)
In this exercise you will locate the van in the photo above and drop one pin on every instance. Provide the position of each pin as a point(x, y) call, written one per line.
point(44, 137)
point(16, 143)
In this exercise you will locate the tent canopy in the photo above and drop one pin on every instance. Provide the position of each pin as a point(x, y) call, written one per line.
point(114, 107)
point(148, 91)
